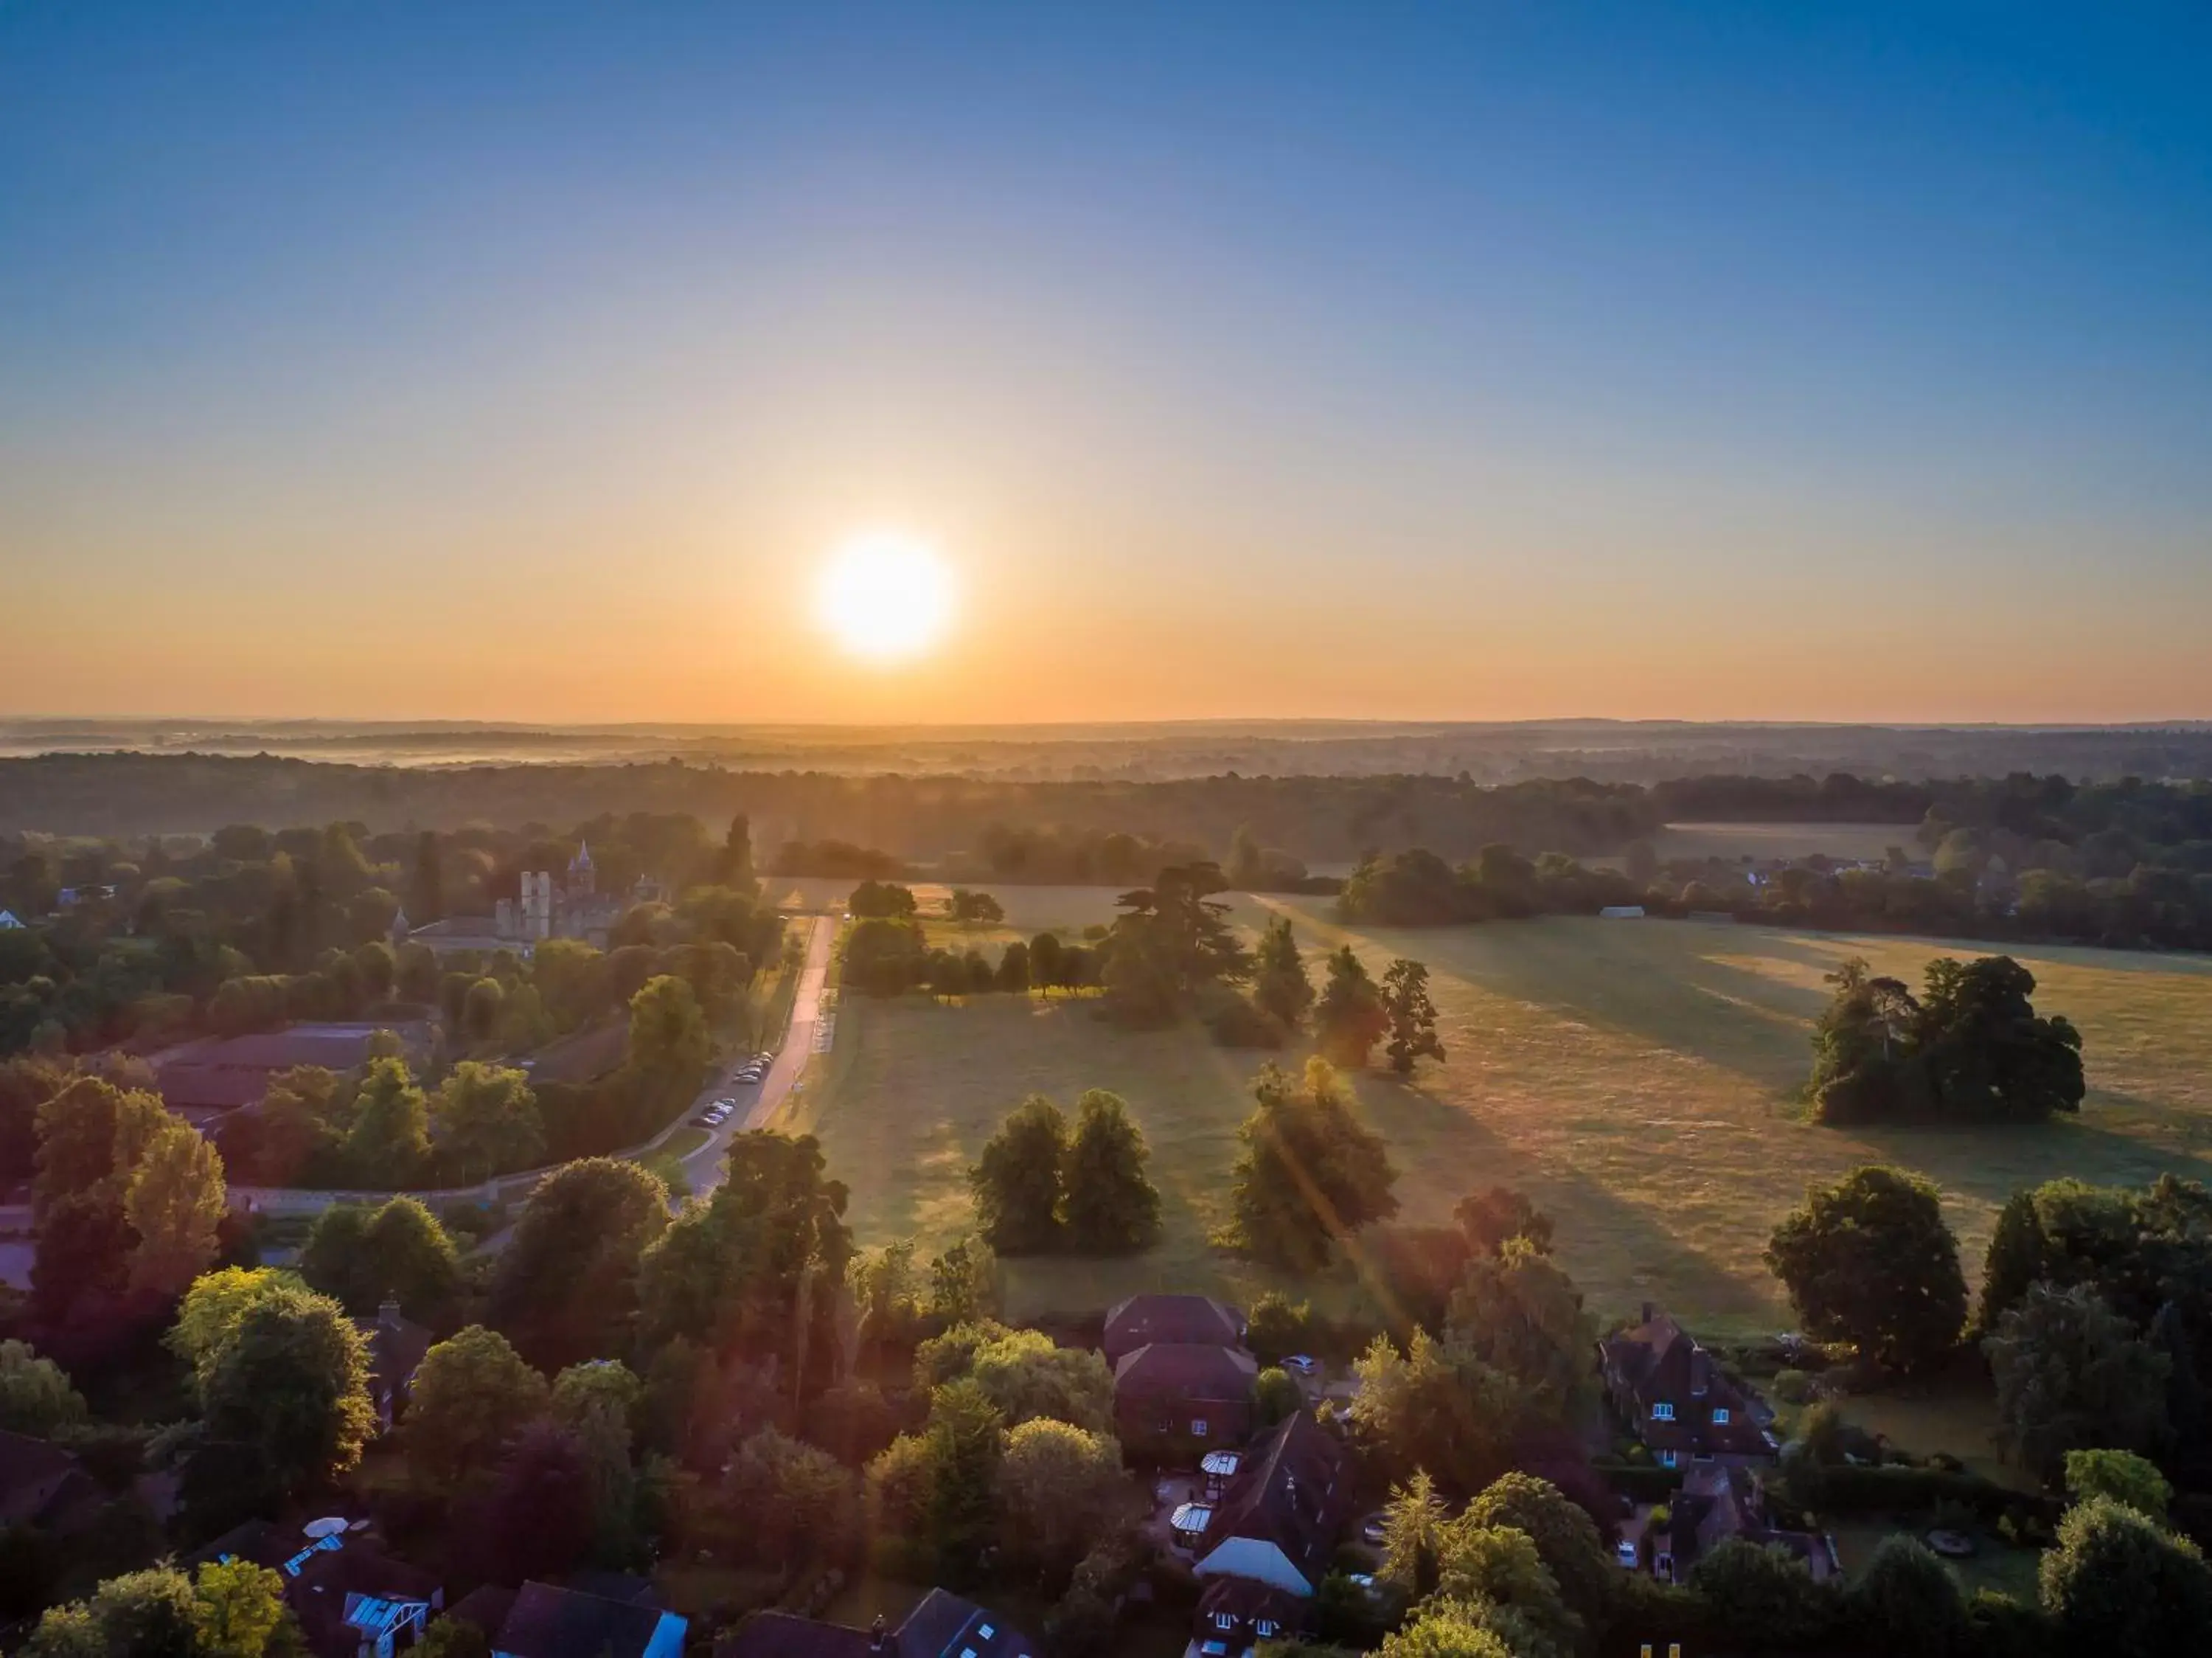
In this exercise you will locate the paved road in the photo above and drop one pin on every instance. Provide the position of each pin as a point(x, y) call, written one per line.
point(757, 1102)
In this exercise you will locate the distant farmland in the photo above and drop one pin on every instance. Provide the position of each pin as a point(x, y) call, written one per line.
point(1639, 1078)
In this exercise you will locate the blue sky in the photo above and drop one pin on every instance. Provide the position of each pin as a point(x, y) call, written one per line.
point(1488, 361)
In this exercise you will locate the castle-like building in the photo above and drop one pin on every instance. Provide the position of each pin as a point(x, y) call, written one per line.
point(573, 907)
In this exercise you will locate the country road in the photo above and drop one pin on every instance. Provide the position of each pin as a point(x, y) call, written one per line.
point(703, 1167)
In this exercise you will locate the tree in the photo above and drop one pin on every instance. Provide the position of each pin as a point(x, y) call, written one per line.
point(1499, 1570)
point(1024, 1374)
point(799, 1504)
point(1988, 1053)
point(471, 1394)
point(1566, 1538)
point(2116, 1583)
point(238, 1609)
point(1437, 1407)
point(1413, 1532)
point(1350, 1017)
point(485, 1118)
point(35, 1395)
point(543, 1512)
point(2019, 1254)
point(1412, 1016)
point(1764, 1599)
point(735, 867)
point(1493, 1218)
point(934, 1490)
point(2071, 1374)
point(1172, 940)
point(1013, 974)
point(1279, 984)
point(1059, 1488)
point(175, 1204)
point(1447, 1628)
point(453, 1638)
point(1906, 1602)
point(289, 1378)
point(970, 909)
point(668, 1038)
point(208, 1315)
point(758, 1270)
point(1310, 1173)
point(1519, 1312)
point(1111, 1206)
point(1276, 1396)
point(566, 1285)
point(2122, 1476)
point(140, 1614)
point(90, 1137)
point(1017, 1180)
point(390, 1133)
point(1868, 1260)
point(359, 1256)
point(963, 1282)
point(1277, 1326)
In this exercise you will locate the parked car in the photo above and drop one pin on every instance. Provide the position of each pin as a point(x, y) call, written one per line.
point(1301, 1364)
point(1370, 1530)
point(705, 1118)
point(1625, 1552)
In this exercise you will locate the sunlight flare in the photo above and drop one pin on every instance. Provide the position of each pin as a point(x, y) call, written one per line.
point(886, 596)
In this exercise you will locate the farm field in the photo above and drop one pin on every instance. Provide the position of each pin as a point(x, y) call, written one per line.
point(1781, 840)
point(1639, 1078)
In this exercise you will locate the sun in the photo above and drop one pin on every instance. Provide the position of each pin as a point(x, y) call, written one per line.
point(885, 595)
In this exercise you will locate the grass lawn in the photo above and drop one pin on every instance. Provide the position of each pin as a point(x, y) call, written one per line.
point(1639, 1078)
point(1995, 1565)
point(682, 1143)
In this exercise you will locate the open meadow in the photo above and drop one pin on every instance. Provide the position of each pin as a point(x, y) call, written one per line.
point(1639, 1078)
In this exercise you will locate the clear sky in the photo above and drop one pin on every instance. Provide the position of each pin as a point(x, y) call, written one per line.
point(1477, 360)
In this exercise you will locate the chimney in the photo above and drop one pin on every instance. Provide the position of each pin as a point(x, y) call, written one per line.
point(387, 1313)
point(1701, 1371)
point(880, 1635)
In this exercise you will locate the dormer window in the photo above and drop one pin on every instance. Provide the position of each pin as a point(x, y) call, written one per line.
point(1663, 1410)
point(1720, 1415)
point(1265, 1628)
point(1224, 1620)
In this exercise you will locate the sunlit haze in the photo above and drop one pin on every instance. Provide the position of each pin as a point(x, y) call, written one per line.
point(1468, 361)
point(886, 596)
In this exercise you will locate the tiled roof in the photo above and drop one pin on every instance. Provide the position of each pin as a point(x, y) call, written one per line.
point(941, 1625)
point(43, 1486)
point(546, 1622)
point(1293, 1492)
point(1183, 1319)
point(1179, 1370)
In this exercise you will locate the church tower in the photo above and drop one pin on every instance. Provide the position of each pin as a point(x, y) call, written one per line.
point(580, 876)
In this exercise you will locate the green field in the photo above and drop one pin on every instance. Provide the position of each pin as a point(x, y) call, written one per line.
point(1639, 1078)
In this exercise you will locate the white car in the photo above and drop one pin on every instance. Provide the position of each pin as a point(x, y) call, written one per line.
point(1301, 1364)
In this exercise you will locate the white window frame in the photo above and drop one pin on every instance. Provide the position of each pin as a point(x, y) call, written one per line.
point(1224, 1620)
point(1720, 1415)
point(1666, 1459)
point(1265, 1628)
point(1197, 1428)
point(1663, 1410)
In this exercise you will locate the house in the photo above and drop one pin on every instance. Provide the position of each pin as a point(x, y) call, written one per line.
point(395, 1349)
point(1277, 1519)
point(1717, 1502)
point(46, 1488)
point(1182, 1320)
point(941, 1625)
point(1681, 1403)
point(1236, 1614)
point(1177, 1392)
point(543, 1621)
point(9, 923)
point(352, 1599)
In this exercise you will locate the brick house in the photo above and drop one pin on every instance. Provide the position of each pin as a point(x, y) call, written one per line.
point(1277, 1520)
point(1677, 1399)
point(1172, 1397)
point(1179, 1320)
